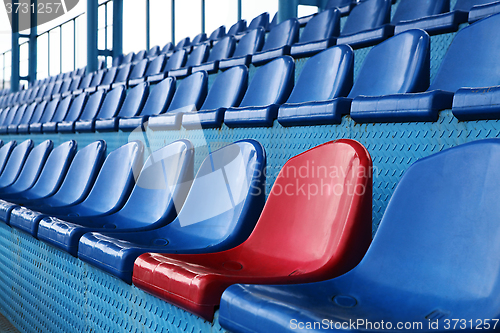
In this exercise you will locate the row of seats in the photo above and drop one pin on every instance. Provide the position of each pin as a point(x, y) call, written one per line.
point(194, 241)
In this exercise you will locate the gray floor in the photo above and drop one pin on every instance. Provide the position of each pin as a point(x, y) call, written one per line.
point(6, 326)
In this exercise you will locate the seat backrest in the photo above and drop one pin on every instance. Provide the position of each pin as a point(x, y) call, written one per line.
point(271, 84)
point(22, 111)
point(32, 167)
point(61, 111)
point(159, 97)
point(155, 65)
point(86, 81)
point(123, 73)
point(238, 27)
point(190, 93)
point(112, 103)
point(368, 15)
point(412, 10)
point(472, 58)
point(285, 33)
point(81, 174)
point(117, 61)
point(167, 48)
point(37, 113)
point(3, 114)
point(218, 33)
point(139, 69)
point(466, 5)
point(443, 205)
point(228, 89)
point(230, 185)
point(134, 101)
point(139, 56)
point(75, 83)
point(65, 86)
point(57, 87)
point(5, 152)
point(93, 105)
point(250, 43)
point(161, 187)
point(176, 60)
point(338, 3)
point(259, 21)
point(127, 59)
point(15, 163)
point(11, 113)
point(183, 43)
point(223, 49)
point(199, 38)
point(54, 170)
point(115, 179)
point(153, 52)
point(325, 76)
point(198, 56)
point(109, 77)
point(48, 89)
point(48, 113)
point(397, 65)
point(322, 26)
point(97, 78)
point(335, 176)
point(76, 108)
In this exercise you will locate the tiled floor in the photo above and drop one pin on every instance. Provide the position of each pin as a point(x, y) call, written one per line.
point(6, 326)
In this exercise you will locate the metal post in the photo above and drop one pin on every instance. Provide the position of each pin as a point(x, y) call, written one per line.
point(239, 10)
point(148, 26)
point(92, 35)
point(202, 16)
point(287, 9)
point(14, 79)
point(117, 28)
point(172, 20)
point(32, 60)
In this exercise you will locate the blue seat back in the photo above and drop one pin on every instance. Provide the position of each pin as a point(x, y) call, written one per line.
point(167, 48)
point(54, 170)
point(3, 114)
point(472, 58)
point(112, 103)
point(412, 10)
point(5, 152)
point(57, 88)
point(97, 78)
point(159, 97)
point(237, 28)
point(115, 180)
point(65, 86)
point(176, 60)
point(322, 26)
point(271, 84)
point(199, 38)
point(86, 81)
point(10, 114)
point(110, 75)
point(20, 113)
point(15, 163)
point(48, 113)
point(198, 55)
point(228, 89)
point(368, 15)
point(93, 105)
point(75, 83)
point(325, 76)
point(81, 175)
point(338, 3)
point(48, 90)
point(183, 43)
point(190, 93)
point(466, 5)
point(127, 59)
point(228, 186)
point(139, 56)
point(397, 65)
point(123, 73)
point(32, 167)
point(153, 52)
point(61, 111)
point(218, 33)
point(250, 43)
point(161, 187)
point(37, 113)
point(285, 33)
point(134, 101)
point(30, 110)
point(261, 21)
point(139, 69)
point(155, 65)
point(76, 108)
point(223, 49)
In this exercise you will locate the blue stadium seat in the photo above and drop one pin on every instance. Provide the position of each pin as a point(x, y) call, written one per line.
point(250, 43)
point(158, 101)
point(55, 90)
point(319, 96)
point(158, 195)
point(15, 163)
point(217, 34)
point(182, 44)
point(5, 152)
point(139, 56)
point(154, 67)
point(29, 173)
point(367, 24)
point(344, 6)
point(410, 12)
point(40, 111)
point(189, 96)
point(465, 70)
point(260, 21)
point(66, 84)
point(110, 106)
point(59, 115)
point(198, 56)
point(415, 271)
point(109, 78)
point(223, 49)
point(43, 94)
point(78, 112)
point(123, 59)
point(136, 73)
point(212, 219)
point(132, 106)
point(24, 115)
point(270, 87)
point(97, 78)
point(167, 49)
point(319, 34)
point(278, 42)
point(48, 114)
point(84, 84)
point(11, 113)
point(153, 52)
point(74, 189)
point(237, 28)
point(482, 8)
point(175, 61)
point(198, 39)
point(121, 77)
point(227, 91)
